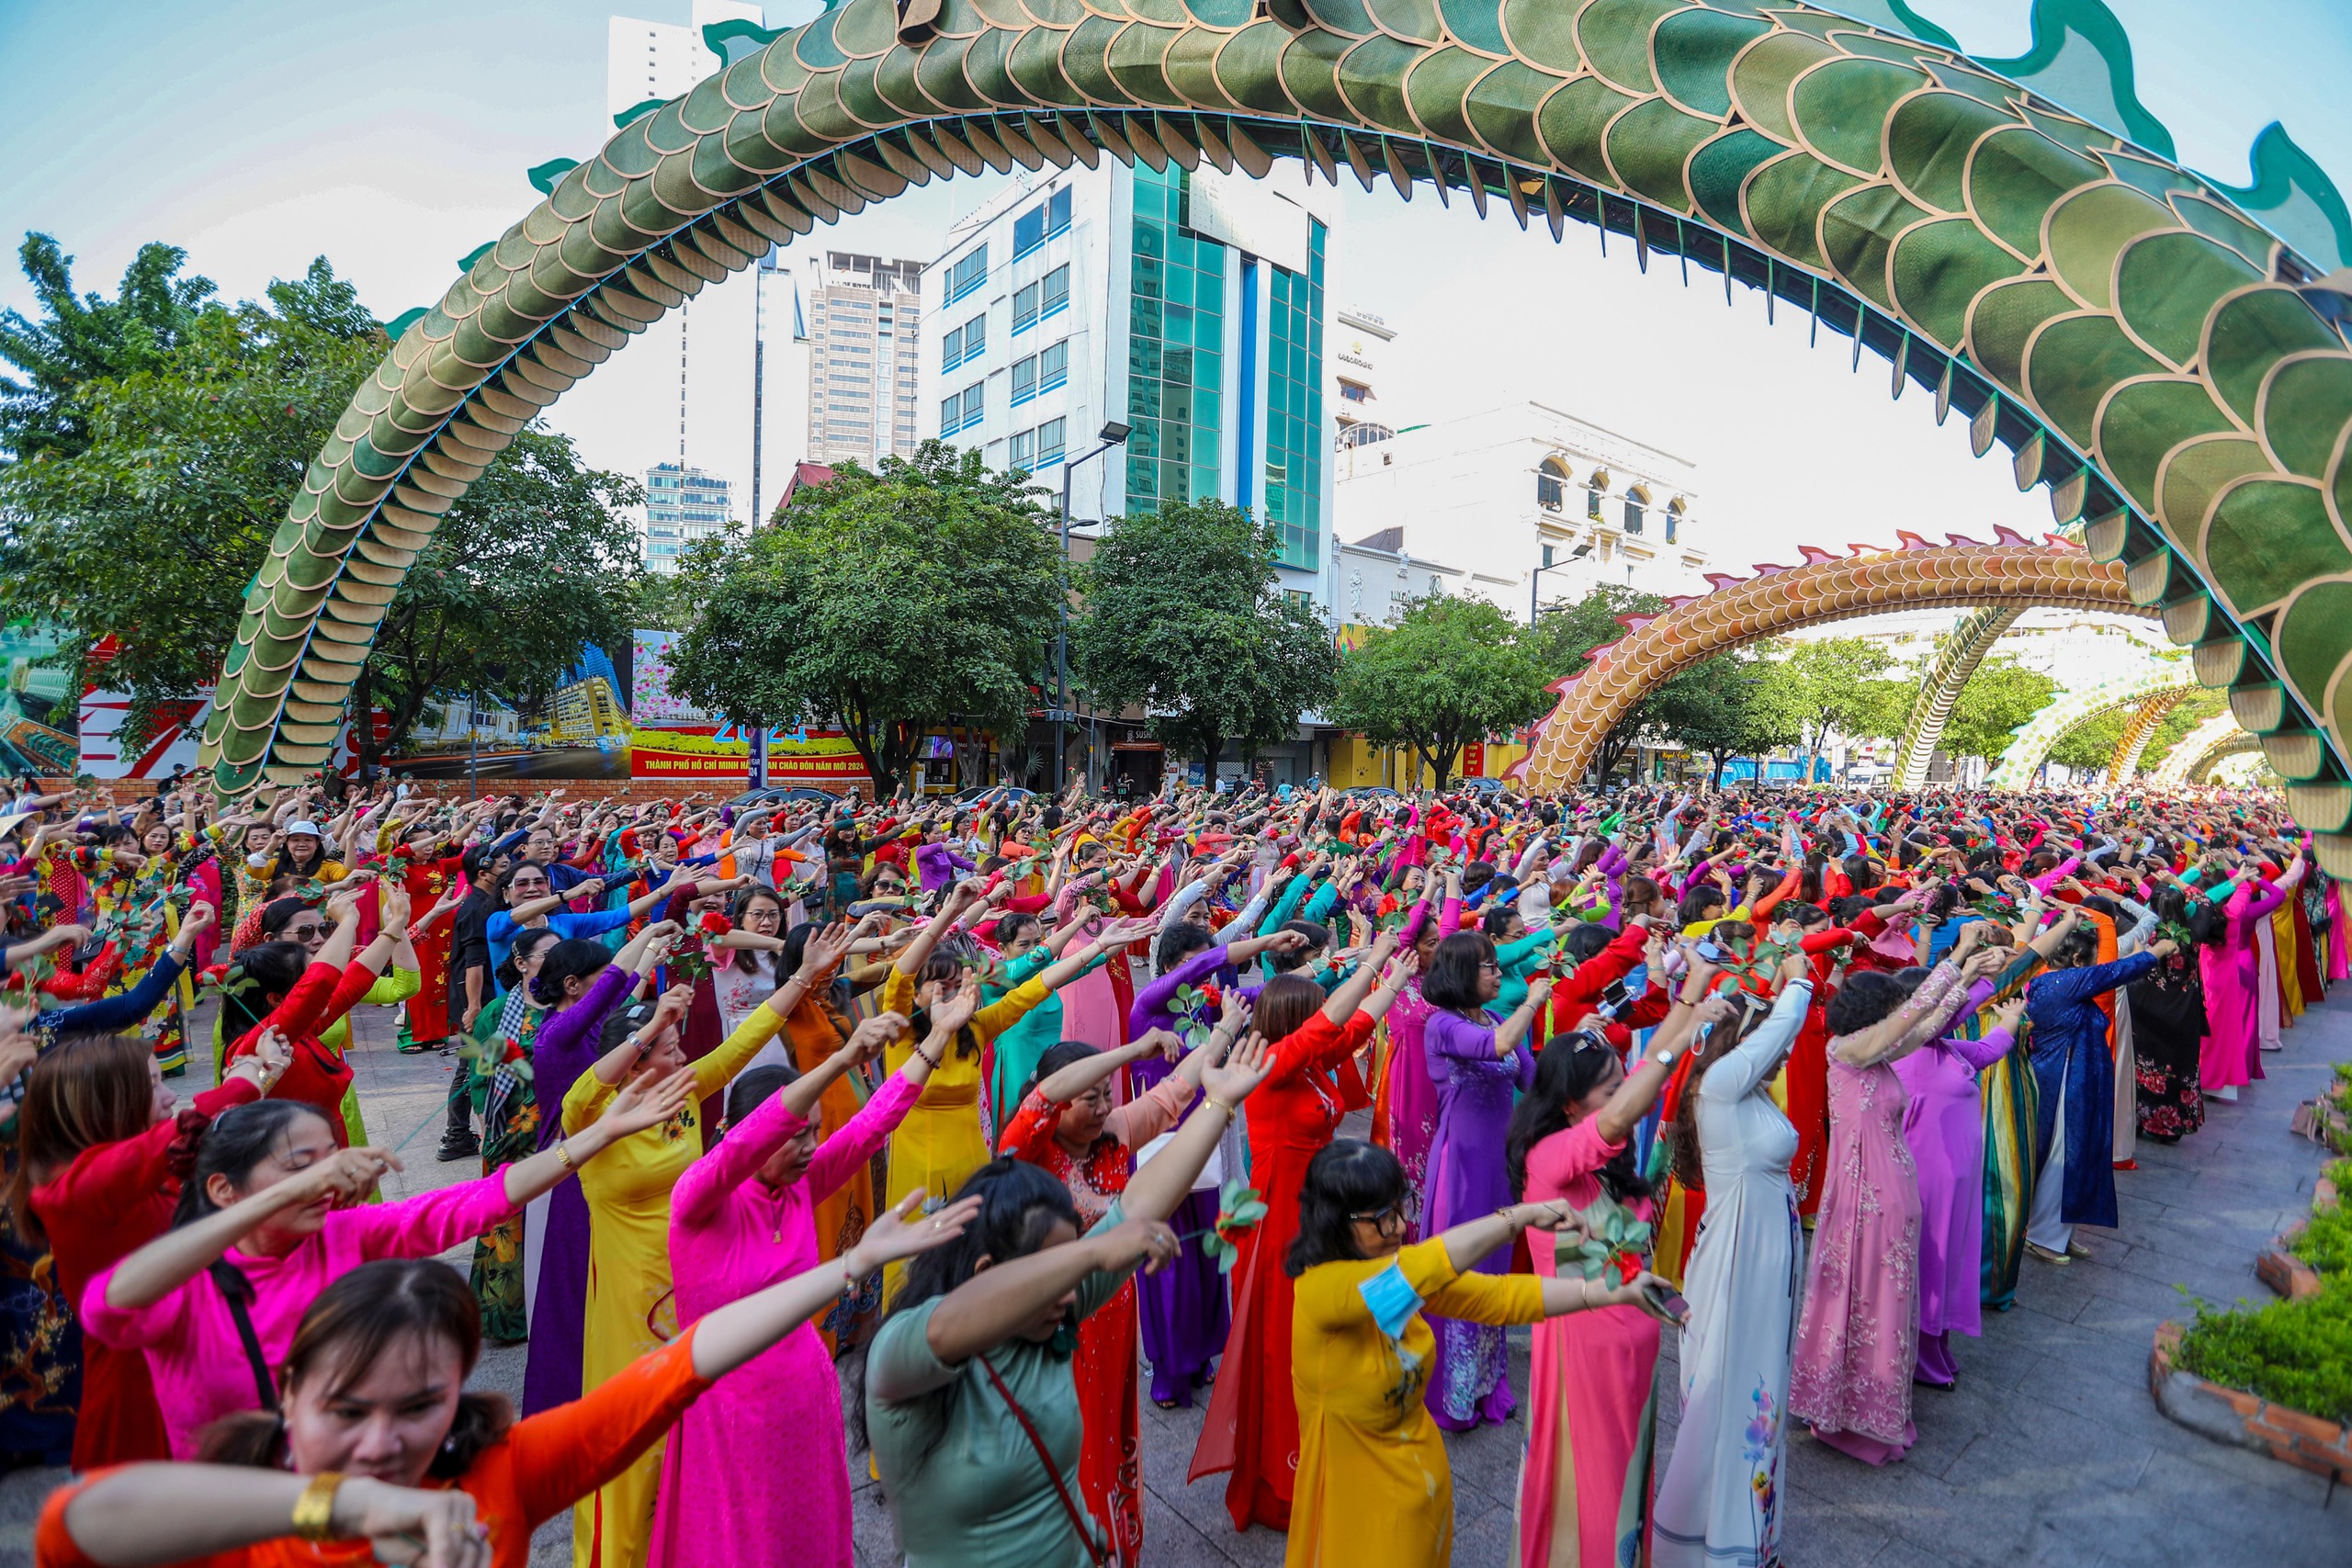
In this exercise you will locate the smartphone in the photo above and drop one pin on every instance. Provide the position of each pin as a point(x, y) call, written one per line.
point(1668, 1299)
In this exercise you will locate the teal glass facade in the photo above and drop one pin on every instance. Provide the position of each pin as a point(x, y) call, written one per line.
point(1294, 478)
point(1175, 349)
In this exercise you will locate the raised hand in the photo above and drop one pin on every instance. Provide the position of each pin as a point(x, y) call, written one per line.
point(639, 1105)
point(957, 1000)
point(1244, 1067)
point(824, 952)
point(867, 1040)
point(905, 1231)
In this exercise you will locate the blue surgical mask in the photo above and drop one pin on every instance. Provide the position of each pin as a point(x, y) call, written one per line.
point(1391, 1300)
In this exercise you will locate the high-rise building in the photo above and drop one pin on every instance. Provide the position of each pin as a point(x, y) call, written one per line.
point(1188, 307)
point(717, 385)
point(682, 506)
point(865, 316)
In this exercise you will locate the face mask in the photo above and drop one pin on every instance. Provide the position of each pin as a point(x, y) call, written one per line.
point(1391, 1300)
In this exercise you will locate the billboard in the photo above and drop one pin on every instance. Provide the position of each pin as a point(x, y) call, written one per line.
point(37, 711)
point(822, 757)
point(650, 703)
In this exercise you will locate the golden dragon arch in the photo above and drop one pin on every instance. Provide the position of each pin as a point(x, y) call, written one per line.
point(2012, 572)
point(2195, 753)
point(2141, 340)
point(2038, 736)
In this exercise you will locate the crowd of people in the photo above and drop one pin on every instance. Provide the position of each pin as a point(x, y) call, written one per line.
point(1007, 1114)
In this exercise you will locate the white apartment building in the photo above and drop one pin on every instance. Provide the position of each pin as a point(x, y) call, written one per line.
point(1377, 579)
point(1189, 308)
point(865, 316)
point(1533, 496)
point(1358, 341)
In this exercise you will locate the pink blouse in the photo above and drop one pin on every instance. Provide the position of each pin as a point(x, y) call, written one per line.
point(199, 1362)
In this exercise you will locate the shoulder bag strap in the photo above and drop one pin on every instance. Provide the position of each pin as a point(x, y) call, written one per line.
point(1078, 1519)
point(239, 1293)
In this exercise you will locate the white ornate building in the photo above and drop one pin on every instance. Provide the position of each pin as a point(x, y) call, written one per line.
point(1531, 505)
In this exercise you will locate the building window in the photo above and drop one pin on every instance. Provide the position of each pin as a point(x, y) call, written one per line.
point(1352, 393)
point(1636, 507)
point(1024, 449)
point(1055, 296)
point(967, 274)
point(1025, 380)
point(1593, 502)
point(951, 349)
point(1175, 350)
point(974, 405)
point(1049, 442)
point(975, 337)
point(951, 414)
point(1547, 491)
point(1053, 366)
point(1294, 464)
point(1673, 518)
point(1024, 309)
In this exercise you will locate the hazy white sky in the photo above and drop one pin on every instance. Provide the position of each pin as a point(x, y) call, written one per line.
point(391, 136)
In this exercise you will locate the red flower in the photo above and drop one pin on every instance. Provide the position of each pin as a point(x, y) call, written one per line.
point(714, 924)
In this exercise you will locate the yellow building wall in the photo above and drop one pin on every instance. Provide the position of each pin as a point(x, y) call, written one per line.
point(1357, 763)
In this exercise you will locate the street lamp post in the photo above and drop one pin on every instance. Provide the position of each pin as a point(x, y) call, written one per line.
point(1535, 577)
point(1113, 434)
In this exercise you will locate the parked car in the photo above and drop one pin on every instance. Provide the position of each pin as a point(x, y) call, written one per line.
point(1481, 786)
point(1375, 792)
point(1013, 794)
point(782, 794)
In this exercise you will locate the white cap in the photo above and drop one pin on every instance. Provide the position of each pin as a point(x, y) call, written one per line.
point(309, 828)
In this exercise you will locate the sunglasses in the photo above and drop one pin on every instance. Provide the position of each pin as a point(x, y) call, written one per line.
point(303, 933)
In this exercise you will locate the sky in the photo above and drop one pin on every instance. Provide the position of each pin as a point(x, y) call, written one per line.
point(391, 136)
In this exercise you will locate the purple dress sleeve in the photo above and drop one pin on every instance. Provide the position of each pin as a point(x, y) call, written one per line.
point(566, 1045)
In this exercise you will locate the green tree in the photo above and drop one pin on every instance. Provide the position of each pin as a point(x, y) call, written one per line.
point(536, 562)
point(888, 603)
point(2090, 745)
point(1565, 636)
point(1821, 688)
point(84, 338)
point(1719, 709)
point(151, 530)
point(1184, 617)
point(1450, 671)
point(1999, 699)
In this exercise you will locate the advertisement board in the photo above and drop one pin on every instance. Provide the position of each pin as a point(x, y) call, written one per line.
point(822, 757)
point(650, 701)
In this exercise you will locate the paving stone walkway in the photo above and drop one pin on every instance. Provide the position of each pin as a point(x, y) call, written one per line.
point(2050, 1451)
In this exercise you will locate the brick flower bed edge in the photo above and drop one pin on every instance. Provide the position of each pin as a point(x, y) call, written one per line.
point(2245, 1420)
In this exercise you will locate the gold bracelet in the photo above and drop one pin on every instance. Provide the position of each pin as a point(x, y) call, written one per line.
point(563, 1154)
point(314, 1509)
point(1220, 1104)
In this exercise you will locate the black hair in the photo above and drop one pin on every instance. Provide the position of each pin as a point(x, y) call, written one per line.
point(279, 913)
point(259, 980)
point(346, 1330)
point(1179, 943)
point(1318, 939)
point(573, 958)
point(2080, 948)
point(1866, 998)
point(239, 1139)
point(755, 1089)
point(1452, 978)
point(621, 1022)
point(1020, 1204)
point(1497, 919)
point(1570, 1067)
point(527, 942)
point(1802, 914)
point(743, 959)
point(1697, 902)
point(1008, 925)
point(1058, 1057)
point(1585, 941)
point(1346, 1177)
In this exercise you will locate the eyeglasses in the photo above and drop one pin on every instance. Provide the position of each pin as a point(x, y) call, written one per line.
point(306, 930)
point(1490, 963)
point(1390, 1218)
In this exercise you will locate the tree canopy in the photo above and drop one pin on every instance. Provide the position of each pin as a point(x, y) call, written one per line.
point(1184, 617)
point(1723, 709)
point(888, 603)
point(1999, 699)
point(1450, 671)
point(164, 437)
point(1822, 688)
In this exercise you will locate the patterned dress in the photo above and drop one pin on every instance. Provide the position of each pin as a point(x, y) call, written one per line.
point(1858, 1336)
point(510, 1126)
point(2168, 1033)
